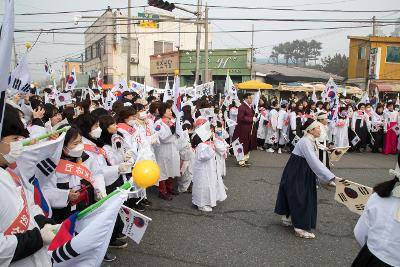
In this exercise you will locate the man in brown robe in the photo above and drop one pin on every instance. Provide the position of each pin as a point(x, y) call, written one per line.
point(245, 129)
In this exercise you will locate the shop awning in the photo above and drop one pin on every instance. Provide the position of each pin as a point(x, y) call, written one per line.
point(385, 86)
point(254, 85)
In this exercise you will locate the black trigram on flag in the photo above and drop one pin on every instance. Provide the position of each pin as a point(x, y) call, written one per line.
point(363, 190)
point(342, 197)
point(64, 253)
point(359, 207)
point(46, 166)
point(345, 182)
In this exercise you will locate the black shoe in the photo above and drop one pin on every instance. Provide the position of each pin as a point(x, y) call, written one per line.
point(121, 237)
point(118, 244)
point(146, 202)
point(139, 207)
point(109, 257)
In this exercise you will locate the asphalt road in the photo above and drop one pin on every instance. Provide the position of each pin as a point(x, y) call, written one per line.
point(244, 231)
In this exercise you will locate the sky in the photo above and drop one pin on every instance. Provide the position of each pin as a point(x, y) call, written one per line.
point(333, 41)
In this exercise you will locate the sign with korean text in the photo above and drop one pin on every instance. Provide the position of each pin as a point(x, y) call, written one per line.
point(164, 64)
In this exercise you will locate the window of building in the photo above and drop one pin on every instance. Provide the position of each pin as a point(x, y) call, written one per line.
point(163, 80)
point(393, 54)
point(124, 45)
point(88, 53)
point(361, 53)
point(138, 79)
point(163, 47)
point(94, 47)
point(91, 52)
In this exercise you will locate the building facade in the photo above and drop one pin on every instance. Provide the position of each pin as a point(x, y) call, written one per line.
point(374, 62)
point(220, 62)
point(106, 43)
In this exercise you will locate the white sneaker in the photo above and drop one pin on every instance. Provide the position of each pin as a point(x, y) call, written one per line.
point(270, 150)
point(260, 148)
point(286, 221)
point(279, 151)
point(205, 208)
point(303, 234)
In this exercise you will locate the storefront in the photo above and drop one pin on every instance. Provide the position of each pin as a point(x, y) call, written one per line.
point(163, 67)
point(220, 61)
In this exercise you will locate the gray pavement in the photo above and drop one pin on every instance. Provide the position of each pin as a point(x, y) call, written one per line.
point(244, 231)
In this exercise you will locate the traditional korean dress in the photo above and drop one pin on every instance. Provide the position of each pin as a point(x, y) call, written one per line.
point(221, 149)
point(207, 188)
point(233, 112)
point(323, 144)
point(378, 233)
point(341, 133)
point(377, 131)
point(297, 196)
point(283, 126)
point(186, 153)
point(20, 239)
point(272, 135)
point(166, 152)
point(262, 129)
point(359, 127)
point(390, 146)
point(70, 174)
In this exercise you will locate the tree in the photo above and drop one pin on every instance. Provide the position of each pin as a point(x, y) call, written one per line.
point(336, 64)
point(297, 51)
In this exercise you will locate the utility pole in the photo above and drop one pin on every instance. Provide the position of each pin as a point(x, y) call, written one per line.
point(252, 51)
point(128, 53)
point(373, 26)
point(198, 39)
point(206, 78)
point(82, 64)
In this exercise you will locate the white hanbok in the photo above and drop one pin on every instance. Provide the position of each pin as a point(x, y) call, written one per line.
point(186, 154)
point(207, 188)
point(233, 113)
point(341, 133)
point(272, 134)
point(283, 126)
point(167, 154)
point(262, 129)
point(11, 205)
point(221, 149)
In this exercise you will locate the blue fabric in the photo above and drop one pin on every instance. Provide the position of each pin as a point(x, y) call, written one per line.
point(297, 196)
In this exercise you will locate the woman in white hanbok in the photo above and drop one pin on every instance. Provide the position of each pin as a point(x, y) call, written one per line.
point(167, 154)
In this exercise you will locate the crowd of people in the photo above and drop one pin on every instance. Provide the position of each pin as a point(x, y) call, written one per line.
point(190, 151)
point(364, 126)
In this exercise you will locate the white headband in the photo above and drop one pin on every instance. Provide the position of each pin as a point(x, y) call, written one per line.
point(322, 116)
point(313, 125)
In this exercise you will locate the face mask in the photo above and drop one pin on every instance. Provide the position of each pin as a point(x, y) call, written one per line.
point(131, 123)
point(77, 111)
point(16, 150)
point(92, 108)
point(76, 152)
point(96, 133)
point(142, 115)
point(24, 122)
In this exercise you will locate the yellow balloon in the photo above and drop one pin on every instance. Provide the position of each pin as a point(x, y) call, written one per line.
point(28, 45)
point(145, 173)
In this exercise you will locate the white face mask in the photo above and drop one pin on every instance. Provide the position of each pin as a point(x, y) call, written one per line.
point(142, 115)
point(16, 150)
point(76, 152)
point(131, 123)
point(92, 108)
point(96, 133)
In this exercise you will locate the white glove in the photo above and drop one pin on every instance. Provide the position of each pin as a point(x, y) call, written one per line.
point(254, 119)
point(99, 195)
point(128, 155)
point(48, 233)
point(154, 139)
point(125, 167)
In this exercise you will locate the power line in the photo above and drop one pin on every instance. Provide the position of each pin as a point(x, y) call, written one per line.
point(294, 9)
point(71, 11)
point(56, 31)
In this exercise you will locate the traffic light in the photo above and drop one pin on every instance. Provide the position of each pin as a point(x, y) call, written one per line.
point(162, 4)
